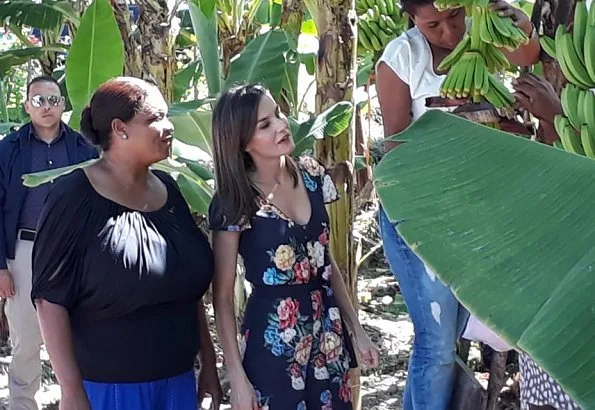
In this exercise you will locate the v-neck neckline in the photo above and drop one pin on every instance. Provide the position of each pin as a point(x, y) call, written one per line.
point(283, 215)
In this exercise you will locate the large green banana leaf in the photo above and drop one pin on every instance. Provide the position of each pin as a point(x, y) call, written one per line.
point(261, 61)
point(10, 58)
point(47, 15)
point(194, 128)
point(509, 225)
point(204, 22)
point(96, 55)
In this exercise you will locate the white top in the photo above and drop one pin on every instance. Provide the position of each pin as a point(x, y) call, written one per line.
point(410, 57)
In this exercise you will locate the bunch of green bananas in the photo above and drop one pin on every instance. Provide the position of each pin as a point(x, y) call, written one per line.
point(500, 31)
point(442, 5)
point(494, 58)
point(578, 141)
point(576, 52)
point(469, 78)
point(380, 21)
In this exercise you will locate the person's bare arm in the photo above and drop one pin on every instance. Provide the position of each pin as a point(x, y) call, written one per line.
point(225, 249)
point(54, 322)
point(208, 378)
point(395, 100)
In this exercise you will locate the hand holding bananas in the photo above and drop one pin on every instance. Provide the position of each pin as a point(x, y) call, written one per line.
point(495, 25)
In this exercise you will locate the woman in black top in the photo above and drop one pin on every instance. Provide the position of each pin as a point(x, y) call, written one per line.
point(120, 268)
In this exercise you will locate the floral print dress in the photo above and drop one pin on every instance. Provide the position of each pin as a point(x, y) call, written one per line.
point(295, 349)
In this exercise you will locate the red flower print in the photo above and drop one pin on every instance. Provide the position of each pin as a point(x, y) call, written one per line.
point(337, 327)
point(320, 361)
point(323, 238)
point(287, 312)
point(302, 271)
point(316, 305)
point(295, 370)
point(345, 390)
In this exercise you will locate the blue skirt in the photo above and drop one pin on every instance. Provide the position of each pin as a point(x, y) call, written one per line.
point(174, 393)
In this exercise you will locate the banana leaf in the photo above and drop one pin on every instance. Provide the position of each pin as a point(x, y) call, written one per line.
point(43, 177)
point(11, 58)
point(96, 55)
point(330, 123)
point(203, 14)
point(194, 128)
point(185, 78)
point(48, 15)
point(261, 61)
point(507, 224)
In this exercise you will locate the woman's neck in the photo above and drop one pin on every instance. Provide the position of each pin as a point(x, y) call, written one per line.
point(126, 171)
point(269, 171)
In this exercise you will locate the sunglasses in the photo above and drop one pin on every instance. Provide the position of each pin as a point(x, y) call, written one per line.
point(39, 101)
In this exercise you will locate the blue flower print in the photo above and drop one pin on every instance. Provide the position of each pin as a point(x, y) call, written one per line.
point(309, 182)
point(234, 228)
point(325, 397)
point(271, 335)
point(328, 324)
point(301, 405)
point(271, 277)
point(278, 348)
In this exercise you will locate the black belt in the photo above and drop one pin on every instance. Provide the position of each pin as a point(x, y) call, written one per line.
point(27, 235)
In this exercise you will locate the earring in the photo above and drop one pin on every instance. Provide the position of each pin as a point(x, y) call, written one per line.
point(124, 136)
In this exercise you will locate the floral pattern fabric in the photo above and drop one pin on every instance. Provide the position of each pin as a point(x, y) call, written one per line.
point(295, 350)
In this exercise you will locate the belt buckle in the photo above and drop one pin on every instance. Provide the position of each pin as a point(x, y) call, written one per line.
point(27, 235)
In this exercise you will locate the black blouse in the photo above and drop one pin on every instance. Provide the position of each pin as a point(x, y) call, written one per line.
point(130, 280)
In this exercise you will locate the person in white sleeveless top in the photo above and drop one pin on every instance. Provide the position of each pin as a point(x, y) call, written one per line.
point(406, 74)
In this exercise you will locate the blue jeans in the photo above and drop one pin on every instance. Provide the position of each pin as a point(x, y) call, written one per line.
point(438, 321)
point(174, 393)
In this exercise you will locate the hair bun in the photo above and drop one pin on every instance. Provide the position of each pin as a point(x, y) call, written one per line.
point(87, 126)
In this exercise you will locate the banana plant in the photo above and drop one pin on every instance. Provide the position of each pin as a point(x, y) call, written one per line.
point(505, 223)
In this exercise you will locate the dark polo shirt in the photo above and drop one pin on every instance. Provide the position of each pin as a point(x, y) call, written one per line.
point(44, 156)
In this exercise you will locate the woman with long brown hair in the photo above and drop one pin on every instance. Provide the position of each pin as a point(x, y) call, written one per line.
point(295, 351)
point(120, 268)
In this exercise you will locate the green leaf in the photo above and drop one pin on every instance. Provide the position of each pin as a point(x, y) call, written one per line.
point(200, 170)
point(506, 223)
point(364, 69)
point(39, 178)
point(6, 126)
point(276, 9)
point(262, 14)
point(194, 128)
point(261, 61)
point(182, 108)
point(96, 55)
point(309, 27)
point(11, 58)
point(204, 23)
point(331, 122)
point(48, 15)
point(186, 78)
point(196, 191)
point(309, 60)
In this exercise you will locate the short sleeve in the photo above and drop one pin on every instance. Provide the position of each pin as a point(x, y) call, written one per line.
point(218, 222)
point(317, 170)
point(56, 261)
point(397, 55)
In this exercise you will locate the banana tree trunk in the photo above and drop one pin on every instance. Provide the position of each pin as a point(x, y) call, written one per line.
point(335, 78)
point(133, 65)
point(291, 21)
point(157, 37)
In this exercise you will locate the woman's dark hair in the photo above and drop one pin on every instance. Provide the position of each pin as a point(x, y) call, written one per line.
point(234, 123)
point(120, 98)
point(410, 6)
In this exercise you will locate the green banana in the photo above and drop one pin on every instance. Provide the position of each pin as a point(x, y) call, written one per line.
point(382, 6)
point(469, 82)
point(548, 45)
point(390, 7)
point(579, 29)
point(589, 46)
point(580, 111)
point(574, 63)
point(382, 23)
point(364, 40)
point(569, 100)
point(589, 112)
point(560, 55)
point(588, 141)
point(570, 140)
point(592, 15)
point(455, 54)
point(391, 24)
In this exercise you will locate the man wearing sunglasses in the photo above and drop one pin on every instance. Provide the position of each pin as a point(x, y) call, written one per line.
point(42, 144)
